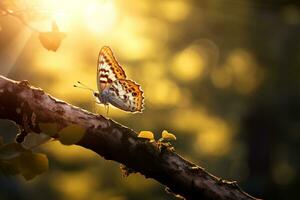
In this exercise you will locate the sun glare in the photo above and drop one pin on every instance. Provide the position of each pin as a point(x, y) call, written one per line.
point(10, 54)
point(98, 16)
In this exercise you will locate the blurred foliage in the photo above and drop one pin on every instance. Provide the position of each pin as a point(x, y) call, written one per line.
point(223, 75)
point(14, 159)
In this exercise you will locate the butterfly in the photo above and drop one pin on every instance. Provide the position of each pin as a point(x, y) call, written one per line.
point(113, 86)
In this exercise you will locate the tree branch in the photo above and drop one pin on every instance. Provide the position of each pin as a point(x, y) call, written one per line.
point(19, 101)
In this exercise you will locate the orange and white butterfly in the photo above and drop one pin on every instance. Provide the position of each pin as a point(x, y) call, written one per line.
point(113, 86)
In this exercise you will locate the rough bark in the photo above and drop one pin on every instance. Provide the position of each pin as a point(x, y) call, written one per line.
point(28, 106)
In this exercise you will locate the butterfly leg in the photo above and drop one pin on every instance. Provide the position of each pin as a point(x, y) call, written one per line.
point(107, 109)
point(94, 107)
point(96, 102)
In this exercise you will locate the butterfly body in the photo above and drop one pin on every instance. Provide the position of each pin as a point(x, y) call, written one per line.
point(113, 86)
point(101, 98)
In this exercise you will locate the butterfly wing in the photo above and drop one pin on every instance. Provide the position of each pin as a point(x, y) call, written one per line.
point(126, 95)
point(108, 69)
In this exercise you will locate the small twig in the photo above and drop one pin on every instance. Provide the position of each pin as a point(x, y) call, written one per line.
point(13, 14)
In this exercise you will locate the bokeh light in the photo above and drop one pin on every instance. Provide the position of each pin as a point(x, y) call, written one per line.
point(100, 17)
point(189, 64)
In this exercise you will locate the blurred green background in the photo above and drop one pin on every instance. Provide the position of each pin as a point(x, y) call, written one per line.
point(223, 76)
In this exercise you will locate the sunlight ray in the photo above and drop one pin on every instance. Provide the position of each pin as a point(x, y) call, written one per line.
point(10, 54)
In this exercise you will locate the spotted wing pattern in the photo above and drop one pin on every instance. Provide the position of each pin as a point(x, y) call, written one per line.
point(126, 95)
point(108, 70)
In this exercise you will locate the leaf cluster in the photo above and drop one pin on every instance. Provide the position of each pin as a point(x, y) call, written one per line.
point(19, 159)
point(14, 160)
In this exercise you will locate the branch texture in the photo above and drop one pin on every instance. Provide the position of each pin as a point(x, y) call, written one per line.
point(28, 106)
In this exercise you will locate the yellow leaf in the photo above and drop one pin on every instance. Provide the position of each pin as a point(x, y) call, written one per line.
point(71, 134)
point(32, 164)
point(146, 135)
point(168, 136)
point(48, 128)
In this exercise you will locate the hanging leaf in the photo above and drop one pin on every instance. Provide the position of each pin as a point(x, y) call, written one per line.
point(71, 134)
point(52, 40)
point(146, 135)
point(55, 27)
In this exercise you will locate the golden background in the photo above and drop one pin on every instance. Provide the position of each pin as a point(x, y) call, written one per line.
point(223, 76)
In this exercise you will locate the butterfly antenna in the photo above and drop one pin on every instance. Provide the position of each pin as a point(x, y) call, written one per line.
point(83, 86)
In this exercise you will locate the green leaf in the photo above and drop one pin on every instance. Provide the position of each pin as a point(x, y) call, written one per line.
point(48, 128)
point(32, 164)
point(71, 134)
point(9, 151)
